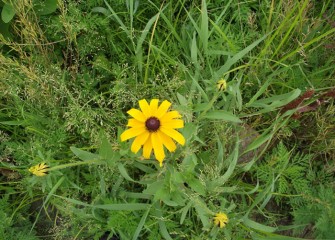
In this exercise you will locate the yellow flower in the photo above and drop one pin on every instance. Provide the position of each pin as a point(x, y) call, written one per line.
point(222, 85)
point(39, 170)
point(220, 220)
point(154, 127)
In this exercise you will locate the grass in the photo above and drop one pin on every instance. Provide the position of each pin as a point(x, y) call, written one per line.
point(70, 71)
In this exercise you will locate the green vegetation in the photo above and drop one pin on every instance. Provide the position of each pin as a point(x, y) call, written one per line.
point(261, 151)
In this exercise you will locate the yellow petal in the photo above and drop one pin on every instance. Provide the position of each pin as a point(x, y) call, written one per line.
point(135, 123)
point(167, 141)
point(147, 148)
point(154, 106)
point(139, 141)
point(174, 134)
point(170, 115)
point(132, 132)
point(158, 147)
point(175, 123)
point(162, 109)
point(145, 108)
point(137, 114)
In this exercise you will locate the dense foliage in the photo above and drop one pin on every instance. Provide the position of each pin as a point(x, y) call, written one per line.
point(260, 145)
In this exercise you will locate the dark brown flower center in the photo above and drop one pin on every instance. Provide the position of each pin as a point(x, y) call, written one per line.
point(152, 124)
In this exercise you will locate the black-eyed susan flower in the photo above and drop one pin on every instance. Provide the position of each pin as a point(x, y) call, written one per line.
point(220, 220)
point(222, 84)
point(39, 170)
point(153, 128)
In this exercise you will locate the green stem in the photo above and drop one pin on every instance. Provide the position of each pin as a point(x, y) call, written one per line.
point(75, 164)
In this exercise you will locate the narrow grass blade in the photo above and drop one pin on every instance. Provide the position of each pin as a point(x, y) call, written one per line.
point(238, 57)
point(141, 224)
point(204, 34)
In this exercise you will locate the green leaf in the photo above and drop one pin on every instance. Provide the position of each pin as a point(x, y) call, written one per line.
point(123, 206)
point(7, 13)
point(276, 101)
point(4, 30)
point(222, 115)
point(141, 224)
point(259, 141)
point(196, 186)
point(257, 226)
point(184, 211)
point(124, 172)
point(238, 57)
point(45, 7)
point(84, 155)
point(154, 187)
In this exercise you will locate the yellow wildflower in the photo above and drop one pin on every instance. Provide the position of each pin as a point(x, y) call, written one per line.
point(153, 128)
point(221, 220)
point(222, 84)
point(39, 170)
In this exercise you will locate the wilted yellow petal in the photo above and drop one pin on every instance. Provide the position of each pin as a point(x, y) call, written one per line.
point(39, 170)
point(220, 220)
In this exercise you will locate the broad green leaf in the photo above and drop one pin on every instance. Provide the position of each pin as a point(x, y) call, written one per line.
point(4, 30)
point(196, 186)
point(257, 226)
point(222, 115)
point(154, 187)
point(276, 101)
point(182, 99)
point(202, 212)
point(105, 150)
point(7, 13)
point(84, 155)
point(124, 172)
point(46, 7)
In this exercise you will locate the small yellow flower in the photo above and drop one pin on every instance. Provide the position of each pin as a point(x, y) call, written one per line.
point(153, 128)
point(222, 84)
point(39, 170)
point(221, 220)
